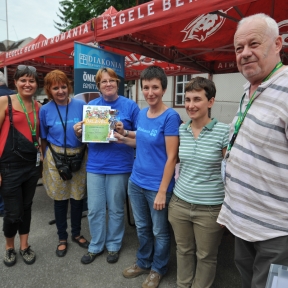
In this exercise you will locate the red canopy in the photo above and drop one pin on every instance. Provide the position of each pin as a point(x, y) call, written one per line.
point(58, 53)
point(176, 31)
point(181, 32)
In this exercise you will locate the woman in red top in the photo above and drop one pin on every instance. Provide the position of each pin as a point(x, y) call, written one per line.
point(19, 161)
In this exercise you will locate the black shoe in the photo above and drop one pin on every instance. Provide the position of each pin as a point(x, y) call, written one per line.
point(90, 257)
point(10, 257)
point(113, 256)
point(62, 253)
point(28, 255)
point(81, 244)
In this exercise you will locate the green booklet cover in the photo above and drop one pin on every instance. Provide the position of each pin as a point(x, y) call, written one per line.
point(96, 123)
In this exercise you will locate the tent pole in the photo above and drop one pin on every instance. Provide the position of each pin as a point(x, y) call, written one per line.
point(7, 48)
point(6, 74)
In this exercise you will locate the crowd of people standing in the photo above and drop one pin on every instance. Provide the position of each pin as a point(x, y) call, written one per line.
point(230, 176)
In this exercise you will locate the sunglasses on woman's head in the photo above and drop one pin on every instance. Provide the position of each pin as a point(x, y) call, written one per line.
point(23, 67)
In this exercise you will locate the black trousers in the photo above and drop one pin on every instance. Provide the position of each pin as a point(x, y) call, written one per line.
point(17, 190)
point(60, 209)
point(253, 259)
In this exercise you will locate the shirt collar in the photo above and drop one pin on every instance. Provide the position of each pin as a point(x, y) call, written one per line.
point(265, 84)
point(209, 126)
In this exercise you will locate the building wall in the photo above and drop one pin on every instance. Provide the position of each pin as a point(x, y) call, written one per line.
point(229, 92)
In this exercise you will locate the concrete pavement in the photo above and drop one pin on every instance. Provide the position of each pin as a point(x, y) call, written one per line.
point(51, 271)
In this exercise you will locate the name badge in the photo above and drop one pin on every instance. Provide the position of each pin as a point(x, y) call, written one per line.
point(38, 159)
point(223, 170)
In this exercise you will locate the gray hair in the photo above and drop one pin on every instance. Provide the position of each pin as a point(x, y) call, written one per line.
point(2, 79)
point(270, 22)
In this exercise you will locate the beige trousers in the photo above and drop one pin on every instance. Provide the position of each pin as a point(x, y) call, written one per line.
point(198, 236)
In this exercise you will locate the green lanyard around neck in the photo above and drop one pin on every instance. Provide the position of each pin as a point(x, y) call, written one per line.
point(241, 116)
point(33, 130)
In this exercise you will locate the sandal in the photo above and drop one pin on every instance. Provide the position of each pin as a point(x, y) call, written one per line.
point(81, 244)
point(62, 253)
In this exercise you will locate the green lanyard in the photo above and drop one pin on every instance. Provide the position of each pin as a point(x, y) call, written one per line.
point(33, 130)
point(241, 116)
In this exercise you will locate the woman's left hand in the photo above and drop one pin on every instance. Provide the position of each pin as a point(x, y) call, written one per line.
point(160, 200)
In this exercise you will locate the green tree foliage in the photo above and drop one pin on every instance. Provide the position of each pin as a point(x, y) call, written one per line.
point(75, 12)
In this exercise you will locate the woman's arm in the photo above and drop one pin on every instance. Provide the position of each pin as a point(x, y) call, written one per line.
point(125, 140)
point(44, 144)
point(224, 151)
point(125, 133)
point(3, 107)
point(172, 144)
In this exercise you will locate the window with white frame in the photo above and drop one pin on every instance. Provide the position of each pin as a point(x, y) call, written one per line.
point(180, 88)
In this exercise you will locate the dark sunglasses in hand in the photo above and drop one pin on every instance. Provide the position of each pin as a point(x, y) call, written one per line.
point(23, 67)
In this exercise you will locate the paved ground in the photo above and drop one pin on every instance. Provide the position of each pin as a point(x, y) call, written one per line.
point(51, 271)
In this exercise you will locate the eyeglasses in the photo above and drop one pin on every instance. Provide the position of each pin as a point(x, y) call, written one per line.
point(23, 67)
point(105, 82)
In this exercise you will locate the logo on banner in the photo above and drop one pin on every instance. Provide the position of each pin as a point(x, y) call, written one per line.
point(95, 61)
point(204, 26)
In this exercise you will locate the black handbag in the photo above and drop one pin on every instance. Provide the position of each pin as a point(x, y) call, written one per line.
point(71, 162)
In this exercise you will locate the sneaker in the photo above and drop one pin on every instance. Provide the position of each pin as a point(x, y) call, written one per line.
point(28, 255)
point(90, 257)
point(134, 271)
point(152, 281)
point(10, 257)
point(113, 256)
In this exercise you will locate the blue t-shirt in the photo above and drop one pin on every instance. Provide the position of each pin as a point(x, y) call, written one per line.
point(151, 153)
point(51, 127)
point(114, 158)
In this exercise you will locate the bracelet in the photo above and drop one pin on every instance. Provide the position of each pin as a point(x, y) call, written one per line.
point(126, 133)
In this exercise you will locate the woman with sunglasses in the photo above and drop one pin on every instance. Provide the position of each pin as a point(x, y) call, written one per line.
point(20, 161)
point(56, 121)
point(108, 168)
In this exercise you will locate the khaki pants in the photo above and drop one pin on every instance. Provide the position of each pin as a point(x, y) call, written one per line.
point(198, 237)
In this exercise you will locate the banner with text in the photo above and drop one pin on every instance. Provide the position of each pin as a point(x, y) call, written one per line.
point(87, 61)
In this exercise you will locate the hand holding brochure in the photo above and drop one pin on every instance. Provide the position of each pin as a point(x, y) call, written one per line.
point(96, 124)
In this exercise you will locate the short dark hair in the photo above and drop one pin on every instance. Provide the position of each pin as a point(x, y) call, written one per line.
point(26, 72)
point(201, 83)
point(152, 72)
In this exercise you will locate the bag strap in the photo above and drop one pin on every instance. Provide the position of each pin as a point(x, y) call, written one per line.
point(64, 126)
point(11, 120)
point(54, 154)
point(10, 110)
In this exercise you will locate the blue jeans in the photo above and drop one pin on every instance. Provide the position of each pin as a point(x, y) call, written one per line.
point(110, 190)
point(153, 229)
point(60, 209)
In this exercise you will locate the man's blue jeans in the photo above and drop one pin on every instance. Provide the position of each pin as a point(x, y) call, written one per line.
point(153, 229)
point(110, 190)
